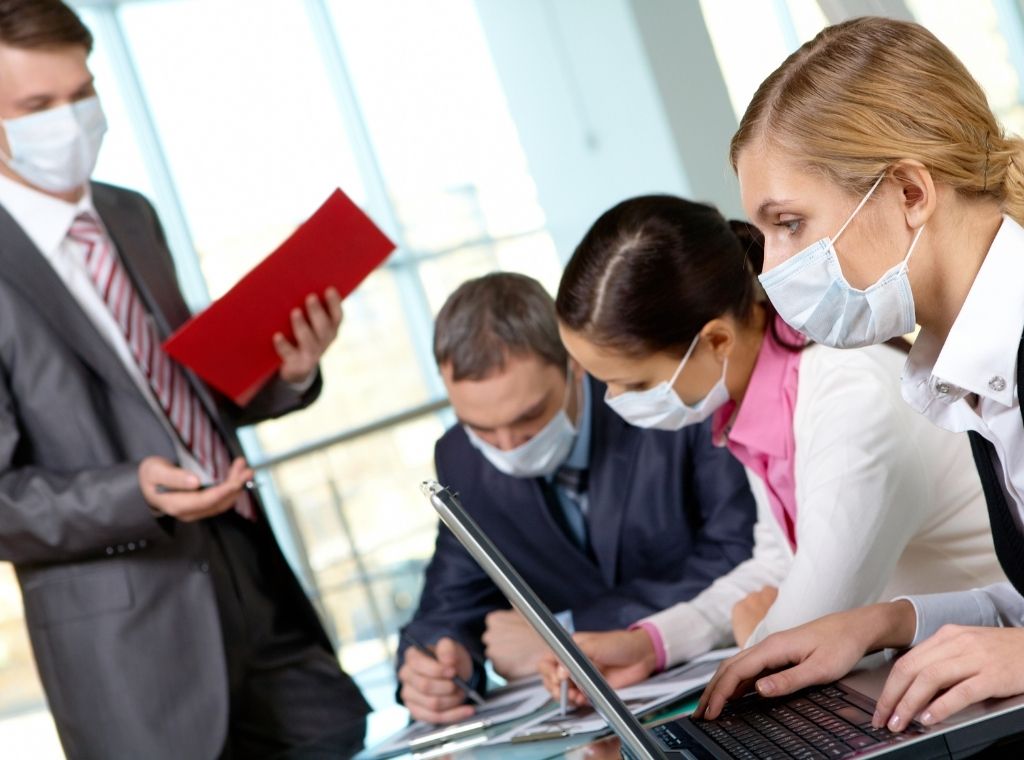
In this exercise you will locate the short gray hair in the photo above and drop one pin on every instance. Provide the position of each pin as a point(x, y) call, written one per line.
point(493, 317)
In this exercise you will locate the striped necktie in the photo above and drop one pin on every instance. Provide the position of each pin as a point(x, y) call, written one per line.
point(573, 483)
point(174, 395)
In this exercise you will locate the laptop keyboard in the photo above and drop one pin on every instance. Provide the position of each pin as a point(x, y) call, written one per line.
point(822, 722)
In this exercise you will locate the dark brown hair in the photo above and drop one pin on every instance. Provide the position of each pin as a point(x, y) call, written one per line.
point(41, 24)
point(653, 270)
point(489, 319)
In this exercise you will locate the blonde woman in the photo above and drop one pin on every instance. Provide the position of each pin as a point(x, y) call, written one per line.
point(875, 134)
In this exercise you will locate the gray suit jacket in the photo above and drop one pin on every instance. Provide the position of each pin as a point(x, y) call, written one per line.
point(120, 607)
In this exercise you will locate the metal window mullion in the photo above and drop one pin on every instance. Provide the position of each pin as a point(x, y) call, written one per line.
point(784, 17)
point(413, 297)
point(1011, 23)
point(172, 212)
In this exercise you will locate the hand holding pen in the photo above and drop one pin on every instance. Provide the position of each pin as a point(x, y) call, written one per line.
point(433, 684)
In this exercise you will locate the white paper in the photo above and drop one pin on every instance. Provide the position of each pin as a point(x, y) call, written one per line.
point(640, 698)
point(512, 702)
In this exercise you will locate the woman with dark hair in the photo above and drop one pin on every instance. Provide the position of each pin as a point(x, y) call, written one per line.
point(661, 302)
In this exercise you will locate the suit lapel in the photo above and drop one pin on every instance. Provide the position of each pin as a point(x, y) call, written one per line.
point(28, 271)
point(613, 447)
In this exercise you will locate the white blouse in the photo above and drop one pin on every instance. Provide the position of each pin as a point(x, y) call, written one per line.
point(887, 504)
point(969, 382)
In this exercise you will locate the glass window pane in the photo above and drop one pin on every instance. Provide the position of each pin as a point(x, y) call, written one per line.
point(978, 40)
point(438, 120)
point(247, 118)
point(121, 160)
point(364, 495)
point(738, 28)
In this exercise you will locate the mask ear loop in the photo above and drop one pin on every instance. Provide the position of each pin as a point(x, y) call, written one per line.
point(913, 244)
point(859, 207)
point(679, 369)
point(4, 157)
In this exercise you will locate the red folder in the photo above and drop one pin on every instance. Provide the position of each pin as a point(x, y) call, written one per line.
point(230, 344)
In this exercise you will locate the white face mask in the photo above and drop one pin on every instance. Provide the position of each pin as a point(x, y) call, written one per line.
point(56, 149)
point(811, 294)
point(542, 454)
point(661, 408)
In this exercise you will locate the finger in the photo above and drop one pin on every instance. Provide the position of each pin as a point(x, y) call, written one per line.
point(729, 673)
point(441, 717)
point(932, 679)
point(285, 350)
point(319, 320)
point(162, 472)
point(736, 675)
point(433, 709)
point(962, 695)
point(334, 309)
point(197, 505)
point(427, 666)
point(435, 687)
point(447, 653)
point(905, 671)
point(305, 339)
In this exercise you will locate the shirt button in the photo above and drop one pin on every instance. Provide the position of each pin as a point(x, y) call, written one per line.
point(942, 388)
point(131, 546)
point(204, 567)
point(110, 550)
point(997, 383)
point(142, 543)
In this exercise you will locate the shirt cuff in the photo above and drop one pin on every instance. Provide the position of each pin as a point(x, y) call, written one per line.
point(304, 385)
point(686, 632)
point(656, 641)
point(958, 607)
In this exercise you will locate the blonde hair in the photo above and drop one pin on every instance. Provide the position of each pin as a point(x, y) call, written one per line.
point(868, 92)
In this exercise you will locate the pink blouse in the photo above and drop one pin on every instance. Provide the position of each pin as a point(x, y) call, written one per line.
point(761, 434)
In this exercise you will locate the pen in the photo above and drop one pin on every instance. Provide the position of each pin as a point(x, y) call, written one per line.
point(468, 690)
point(563, 697)
point(248, 486)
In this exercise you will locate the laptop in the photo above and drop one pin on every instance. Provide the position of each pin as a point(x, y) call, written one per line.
point(830, 721)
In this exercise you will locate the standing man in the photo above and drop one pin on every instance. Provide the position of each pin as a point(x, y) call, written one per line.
point(607, 522)
point(164, 620)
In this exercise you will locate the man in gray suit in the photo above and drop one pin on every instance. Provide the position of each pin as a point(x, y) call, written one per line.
point(164, 620)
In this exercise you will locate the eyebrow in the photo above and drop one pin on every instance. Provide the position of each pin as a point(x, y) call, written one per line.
point(30, 101)
point(767, 205)
point(529, 414)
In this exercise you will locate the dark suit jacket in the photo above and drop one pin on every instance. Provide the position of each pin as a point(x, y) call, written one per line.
point(668, 514)
point(120, 606)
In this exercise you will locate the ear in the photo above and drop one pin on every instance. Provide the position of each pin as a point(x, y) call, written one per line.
point(718, 335)
point(917, 191)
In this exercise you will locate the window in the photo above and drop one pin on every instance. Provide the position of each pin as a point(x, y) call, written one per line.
point(238, 125)
point(752, 37)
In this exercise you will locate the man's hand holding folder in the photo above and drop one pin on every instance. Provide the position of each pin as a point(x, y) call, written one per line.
point(274, 318)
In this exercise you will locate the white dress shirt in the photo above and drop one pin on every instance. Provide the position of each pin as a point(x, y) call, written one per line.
point(886, 504)
point(969, 383)
point(46, 221)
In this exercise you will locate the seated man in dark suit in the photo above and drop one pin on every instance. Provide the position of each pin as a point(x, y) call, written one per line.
point(607, 522)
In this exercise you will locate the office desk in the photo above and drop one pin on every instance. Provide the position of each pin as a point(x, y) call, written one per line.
point(583, 746)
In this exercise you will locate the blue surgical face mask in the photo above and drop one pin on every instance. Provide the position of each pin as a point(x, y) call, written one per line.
point(56, 149)
point(542, 454)
point(661, 408)
point(811, 294)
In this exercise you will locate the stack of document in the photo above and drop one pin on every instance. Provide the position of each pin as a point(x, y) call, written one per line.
point(641, 699)
point(531, 715)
